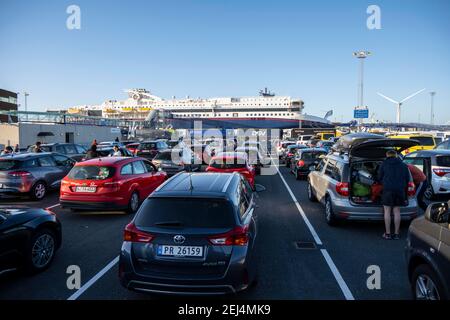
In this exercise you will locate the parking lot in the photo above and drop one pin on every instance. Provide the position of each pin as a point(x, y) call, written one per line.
point(328, 263)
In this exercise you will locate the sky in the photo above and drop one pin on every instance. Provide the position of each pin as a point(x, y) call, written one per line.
point(214, 48)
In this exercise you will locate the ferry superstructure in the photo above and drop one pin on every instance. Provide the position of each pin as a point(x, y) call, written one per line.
point(264, 111)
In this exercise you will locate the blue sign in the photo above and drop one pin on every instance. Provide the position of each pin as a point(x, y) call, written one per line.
point(361, 113)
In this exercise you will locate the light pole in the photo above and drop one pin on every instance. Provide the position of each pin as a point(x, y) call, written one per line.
point(361, 55)
point(432, 93)
point(26, 94)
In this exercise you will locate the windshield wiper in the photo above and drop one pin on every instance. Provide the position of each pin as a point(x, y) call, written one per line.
point(169, 224)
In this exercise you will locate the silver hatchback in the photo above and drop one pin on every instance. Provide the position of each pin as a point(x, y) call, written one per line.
point(345, 182)
point(33, 174)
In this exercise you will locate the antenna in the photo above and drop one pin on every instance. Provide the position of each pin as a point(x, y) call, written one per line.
point(191, 186)
point(399, 103)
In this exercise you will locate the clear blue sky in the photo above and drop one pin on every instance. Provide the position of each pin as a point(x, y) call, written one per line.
point(214, 48)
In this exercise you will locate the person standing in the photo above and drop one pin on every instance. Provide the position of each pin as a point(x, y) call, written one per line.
point(16, 148)
point(394, 176)
point(37, 147)
point(92, 152)
point(116, 152)
point(421, 184)
point(8, 150)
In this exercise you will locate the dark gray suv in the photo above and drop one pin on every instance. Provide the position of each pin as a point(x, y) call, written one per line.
point(428, 254)
point(33, 174)
point(194, 235)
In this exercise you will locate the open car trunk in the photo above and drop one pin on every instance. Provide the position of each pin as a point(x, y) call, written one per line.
point(365, 162)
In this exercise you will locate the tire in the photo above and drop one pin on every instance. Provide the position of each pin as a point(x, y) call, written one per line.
point(429, 192)
point(40, 251)
point(133, 204)
point(329, 214)
point(311, 195)
point(38, 191)
point(424, 278)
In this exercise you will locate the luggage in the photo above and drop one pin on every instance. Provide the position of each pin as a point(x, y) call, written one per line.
point(365, 177)
point(361, 190)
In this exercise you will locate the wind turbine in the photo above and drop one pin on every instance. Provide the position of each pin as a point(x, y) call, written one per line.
point(399, 103)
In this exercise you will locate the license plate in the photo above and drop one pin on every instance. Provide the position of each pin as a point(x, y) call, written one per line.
point(85, 189)
point(180, 251)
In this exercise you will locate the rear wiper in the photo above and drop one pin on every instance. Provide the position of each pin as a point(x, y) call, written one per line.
point(169, 223)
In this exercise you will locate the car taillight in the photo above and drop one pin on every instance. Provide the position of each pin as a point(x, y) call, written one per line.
point(133, 234)
point(19, 173)
point(111, 185)
point(342, 189)
point(236, 237)
point(290, 154)
point(411, 189)
point(300, 163)
point(441, 172)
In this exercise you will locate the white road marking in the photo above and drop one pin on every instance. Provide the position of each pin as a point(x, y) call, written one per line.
point(300, 209)
point(337, 275)
point(94, 279)
point(53, 206)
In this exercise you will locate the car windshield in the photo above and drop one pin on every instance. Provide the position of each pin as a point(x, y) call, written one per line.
point(424, 141)
point(9, 164)
point(228, 163)
point(443, 161)
point(186, 213)
point(284, 145)
point(91, 173)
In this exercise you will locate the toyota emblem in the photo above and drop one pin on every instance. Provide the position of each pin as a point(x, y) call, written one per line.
point(179, 239)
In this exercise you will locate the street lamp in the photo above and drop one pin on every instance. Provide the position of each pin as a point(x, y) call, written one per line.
point(26, 94)
point(361, 55)
point(432, 94)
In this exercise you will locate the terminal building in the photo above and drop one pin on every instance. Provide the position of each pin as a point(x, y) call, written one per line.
point(8, 102)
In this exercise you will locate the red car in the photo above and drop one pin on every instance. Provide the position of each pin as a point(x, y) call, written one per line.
point(233, 162)
point(111, 183)
point(132, 147)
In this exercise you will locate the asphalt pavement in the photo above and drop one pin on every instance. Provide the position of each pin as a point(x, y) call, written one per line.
point(299, 255)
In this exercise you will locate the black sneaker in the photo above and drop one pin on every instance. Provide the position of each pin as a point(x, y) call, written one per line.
point(396, 237)
point(386, 236)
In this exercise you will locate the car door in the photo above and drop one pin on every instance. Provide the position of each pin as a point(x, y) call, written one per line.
point(49, 172)
point(128, 179)
point(141, 178)
point(316, 179)
point(64, 164)
point(154, 177)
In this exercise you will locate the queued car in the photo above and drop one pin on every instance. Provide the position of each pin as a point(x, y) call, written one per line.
point(428, 254)
point(282, 146)
point(72, 150)
point(287, 156)
point(444, 145)
point(202, 151)
point(112, 183)
point(306, 159)
point(109, 144)
point(303, 139)
point(254, 156)
point(346, 181)
point(194, 235)
point(109, 151)
point(173, 161)
point(436, 166)
point(149, 149)
point(426, 141)
point(132, 147)
point(325, 145)
point(233, 162)
point(33, 174)
point(29, 238)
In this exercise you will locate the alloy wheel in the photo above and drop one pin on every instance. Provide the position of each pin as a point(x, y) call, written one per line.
point(426, 288)
point(42, 250)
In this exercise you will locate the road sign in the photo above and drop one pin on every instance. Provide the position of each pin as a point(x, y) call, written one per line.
point(361, 113)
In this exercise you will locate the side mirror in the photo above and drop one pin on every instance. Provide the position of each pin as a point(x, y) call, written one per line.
point(259, 188)
point(437, 212)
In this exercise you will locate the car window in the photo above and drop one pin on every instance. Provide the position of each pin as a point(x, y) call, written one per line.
point(127, 169)
point(415, 161)
point(70, 149)
point(138, 167)
point(162, 145)
point(60, 149)
point(332, 170)
point(32, 163)
point(80, 149)
point(243, 201)
point(46, 162)
point(424, 141)
point(443, 161)
point(321, 165)
point(91, 173)
point(62, 161)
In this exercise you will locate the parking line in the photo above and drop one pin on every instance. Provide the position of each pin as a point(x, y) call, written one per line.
point(94, 279)
point(53, 206)
point(337, 275)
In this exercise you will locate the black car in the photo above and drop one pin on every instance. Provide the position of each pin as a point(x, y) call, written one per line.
point(428, 254)
point(287, 156)
point(149, 149)
point(29, 238)
point(304, 159)
point(194, 235)
point(75, 151)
